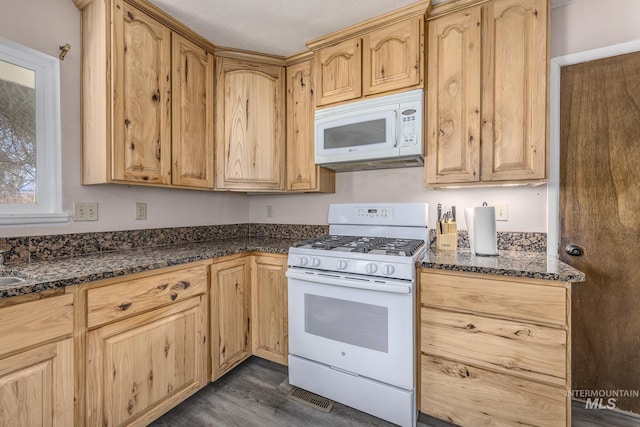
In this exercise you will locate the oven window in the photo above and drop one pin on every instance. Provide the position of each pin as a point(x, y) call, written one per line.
point(356, 134)
point(355, 323)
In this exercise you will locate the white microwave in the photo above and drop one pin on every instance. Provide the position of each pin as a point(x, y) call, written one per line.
point(383, 132)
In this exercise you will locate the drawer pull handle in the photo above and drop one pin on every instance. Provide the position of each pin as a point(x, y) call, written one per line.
point(470, 326)
point(125, 306)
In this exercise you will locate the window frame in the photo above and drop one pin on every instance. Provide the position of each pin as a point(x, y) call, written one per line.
point(48, 206)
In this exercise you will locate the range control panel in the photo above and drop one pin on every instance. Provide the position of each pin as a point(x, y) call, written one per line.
point(371, 212)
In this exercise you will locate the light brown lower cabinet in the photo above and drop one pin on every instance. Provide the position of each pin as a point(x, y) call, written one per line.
point(270, 335)
point(230, 314)
point(36, 363)
point(148, 348)
point(494, 350)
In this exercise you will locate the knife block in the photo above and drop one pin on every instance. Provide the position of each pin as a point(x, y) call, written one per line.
point(448, 239)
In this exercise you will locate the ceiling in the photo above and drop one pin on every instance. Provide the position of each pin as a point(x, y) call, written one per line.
point(279, 27)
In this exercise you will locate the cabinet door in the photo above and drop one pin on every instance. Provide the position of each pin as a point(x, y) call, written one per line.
point(338, 72)
point(453, 98)
point(269, 308)
point(392, 57)
point(192, 150)
point(36, 386)
point(302, 172)
point(514, 104)
point(142, 108)
point(250, 125)
point(230, 314)
point(140, 367)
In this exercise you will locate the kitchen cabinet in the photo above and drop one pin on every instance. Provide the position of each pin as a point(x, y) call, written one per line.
point(146, 346)
point(393, 57)
point(453, 98)
point(338, 72)
point(270, 335)
point(36, 363)
point(381, 55)
point(302, 172)
point(230, 311)
point(494, 349)
point(487, 94)
point(147, 97)
point(250, 151)
point(192, 139)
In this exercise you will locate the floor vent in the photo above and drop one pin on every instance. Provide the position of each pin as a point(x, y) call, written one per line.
point(310, 399)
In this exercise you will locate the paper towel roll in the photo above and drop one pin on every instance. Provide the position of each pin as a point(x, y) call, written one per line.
point(481, 226)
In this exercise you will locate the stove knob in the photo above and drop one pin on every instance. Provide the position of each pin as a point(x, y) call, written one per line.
point(371, 268)
point(342, 264)
point(303, 260)
point(388, 269)
point(315, 261)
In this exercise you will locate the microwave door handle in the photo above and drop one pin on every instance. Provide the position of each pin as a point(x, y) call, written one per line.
point(395, 140)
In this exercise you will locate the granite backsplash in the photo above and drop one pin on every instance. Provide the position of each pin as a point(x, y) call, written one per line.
point(40, 248)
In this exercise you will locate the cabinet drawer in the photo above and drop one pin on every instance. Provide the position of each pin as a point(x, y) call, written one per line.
point(535, 352)
point(31, 323)
point(125, 299)
point(513, 299)
point(470, 396)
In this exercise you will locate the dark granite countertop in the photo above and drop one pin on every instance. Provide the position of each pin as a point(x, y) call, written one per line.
point(531, 265)
point(46, 275)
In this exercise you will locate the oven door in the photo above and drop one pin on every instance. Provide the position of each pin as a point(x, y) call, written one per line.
point(359, 325)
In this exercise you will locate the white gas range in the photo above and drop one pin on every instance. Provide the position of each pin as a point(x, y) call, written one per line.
point(352, 329)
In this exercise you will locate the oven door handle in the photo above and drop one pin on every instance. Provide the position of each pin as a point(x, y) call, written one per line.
point(346, 283)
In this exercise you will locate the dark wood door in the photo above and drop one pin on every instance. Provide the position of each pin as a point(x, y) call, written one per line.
point(600, 212)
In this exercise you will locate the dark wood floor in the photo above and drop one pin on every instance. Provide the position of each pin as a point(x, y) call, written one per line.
point(255, 395)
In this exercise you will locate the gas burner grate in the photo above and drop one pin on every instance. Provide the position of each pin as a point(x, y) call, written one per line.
point(364, 244)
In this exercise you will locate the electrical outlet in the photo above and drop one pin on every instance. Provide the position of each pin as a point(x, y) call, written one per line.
point(502, 212)
point(141, 210)
point(269, 211)
point(85, 211)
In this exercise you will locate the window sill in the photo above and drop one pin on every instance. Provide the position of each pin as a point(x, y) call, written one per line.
point(34, 218)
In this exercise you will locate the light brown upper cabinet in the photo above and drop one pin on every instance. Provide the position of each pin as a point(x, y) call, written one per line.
point(453, 98)
point(147, 97)
point(250, 147)
point(383, 54)
point(392, 57)
point(338, 72)
point(487, 94)
point(302, 172)
point(193, 104)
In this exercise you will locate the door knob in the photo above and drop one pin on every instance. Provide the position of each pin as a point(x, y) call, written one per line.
point(573, 250)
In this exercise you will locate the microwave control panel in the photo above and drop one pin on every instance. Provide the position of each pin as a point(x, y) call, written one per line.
point(408, 127)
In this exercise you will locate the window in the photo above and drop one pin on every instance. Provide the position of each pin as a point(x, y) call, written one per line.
point(30, 188)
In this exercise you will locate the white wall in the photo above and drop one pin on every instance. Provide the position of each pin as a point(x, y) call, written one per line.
point(581, 25)
point(527, 206)
point(44, 25)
